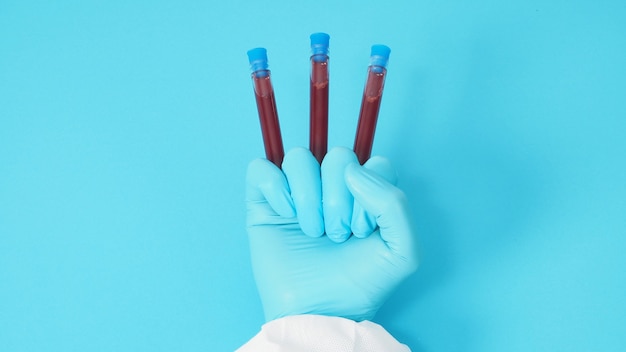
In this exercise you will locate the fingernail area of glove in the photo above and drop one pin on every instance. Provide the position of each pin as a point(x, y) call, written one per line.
point(312, 228)
point(338, 238)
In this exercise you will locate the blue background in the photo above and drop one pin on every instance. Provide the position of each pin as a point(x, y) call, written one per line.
point(126, 128)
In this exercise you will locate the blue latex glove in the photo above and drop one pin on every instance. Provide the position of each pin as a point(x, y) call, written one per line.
point(304, 258)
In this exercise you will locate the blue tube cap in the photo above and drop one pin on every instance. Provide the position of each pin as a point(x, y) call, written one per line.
point(319, 43)
point(258, 59)
point(380, 55)
point(320, 39)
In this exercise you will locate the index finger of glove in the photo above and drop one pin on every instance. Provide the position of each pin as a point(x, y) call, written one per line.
point(364, 223)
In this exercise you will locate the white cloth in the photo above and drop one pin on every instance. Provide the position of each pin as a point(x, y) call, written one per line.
point(313, 333)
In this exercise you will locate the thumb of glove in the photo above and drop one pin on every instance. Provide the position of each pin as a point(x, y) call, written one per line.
point(388, 205)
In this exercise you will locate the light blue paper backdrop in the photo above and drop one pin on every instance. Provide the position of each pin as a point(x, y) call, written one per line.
point(126, 128)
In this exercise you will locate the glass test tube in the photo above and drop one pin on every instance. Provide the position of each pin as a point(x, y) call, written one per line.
point(318, 125)
point(370, 105)
point(266, 105)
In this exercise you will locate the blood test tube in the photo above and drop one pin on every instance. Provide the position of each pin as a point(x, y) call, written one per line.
point(266, 105)
point(370, 105)
point(318, 125)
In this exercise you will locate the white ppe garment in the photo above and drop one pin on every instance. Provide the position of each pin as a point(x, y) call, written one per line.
point(313, 333)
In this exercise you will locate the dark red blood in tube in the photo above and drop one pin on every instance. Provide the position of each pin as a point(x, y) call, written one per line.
point(369, 113)
point(318, 129)
point(268, 117)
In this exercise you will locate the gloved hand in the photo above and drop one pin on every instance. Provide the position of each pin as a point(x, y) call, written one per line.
point(300, 221)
